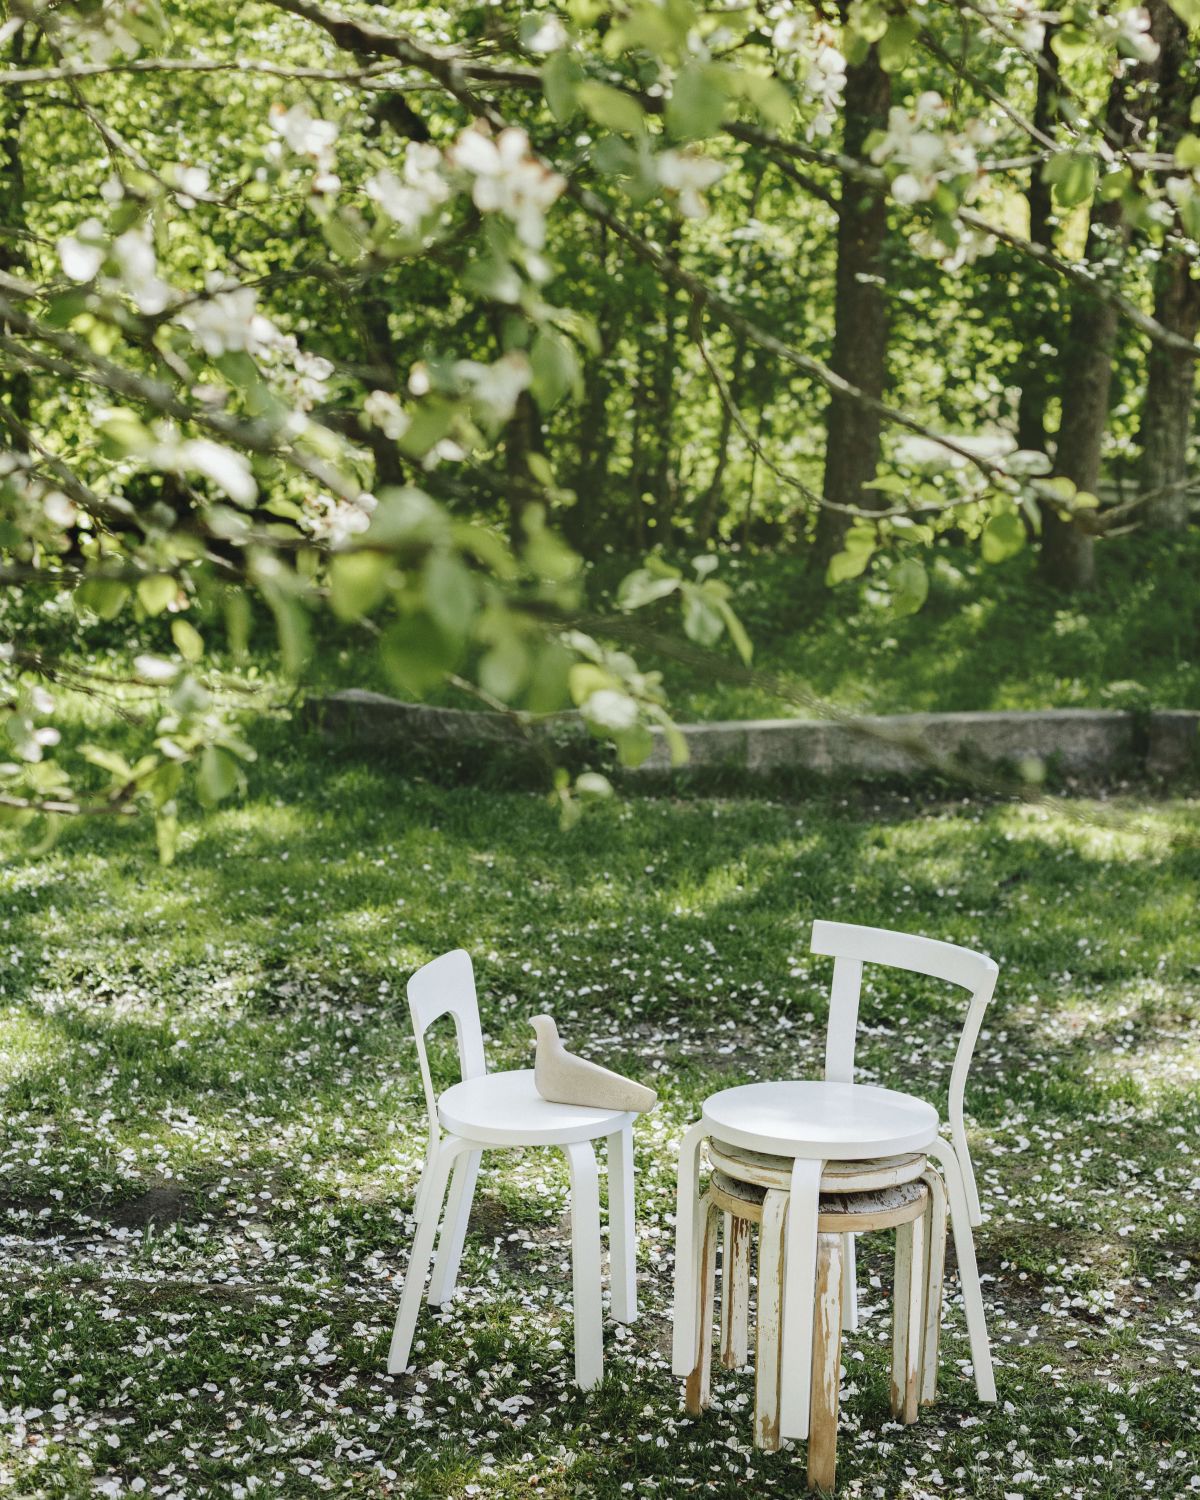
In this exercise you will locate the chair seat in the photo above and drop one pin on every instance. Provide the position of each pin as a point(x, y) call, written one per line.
point(505, 1109)
point(816, 1120)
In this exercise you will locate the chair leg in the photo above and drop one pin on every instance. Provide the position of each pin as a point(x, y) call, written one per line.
point(735, 1294)
point(431, 1194)
point(935, 1265)
point(769, 1340)
point(799, 1281)
point(849, 1286)
point(964, 1250)
point(585, 1264)
point(696, 1394)
point(622, 1226)
point(688, 1235)
point(826, 1361)
point(908, 1320)
point(454, 1228)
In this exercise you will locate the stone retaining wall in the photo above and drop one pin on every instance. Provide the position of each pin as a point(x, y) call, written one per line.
point(1077, 741)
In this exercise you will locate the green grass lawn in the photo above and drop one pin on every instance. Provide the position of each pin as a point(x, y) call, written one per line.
point(987, 638)
point(213, 1129)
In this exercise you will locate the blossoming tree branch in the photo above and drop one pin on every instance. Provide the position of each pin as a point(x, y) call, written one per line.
point(310, 310)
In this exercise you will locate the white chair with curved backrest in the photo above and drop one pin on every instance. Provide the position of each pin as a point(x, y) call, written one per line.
point(817, 1122)
point(500, 1110)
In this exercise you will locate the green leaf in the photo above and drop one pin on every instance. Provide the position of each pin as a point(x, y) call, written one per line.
point(1072, 177)
point(896, 42)
point(697, 103)
point(643, 587)
point(219, 774)
point(561, 77)
point(1188, 11)
point(857, 551)
point(610, 107)
point(238, 617)
point(555, 368)
point(156, 592)
point(123, 433)
point(357, 583)
point(737, 632)
point(1003, 537)
point(633, 745)
point(188, 640)
point(909, 583)
point(504, 669)
point(417, 654)
point(166, 833)
point(702, 620)
point(450, 594)
point(102, 596)
point(1187, 153)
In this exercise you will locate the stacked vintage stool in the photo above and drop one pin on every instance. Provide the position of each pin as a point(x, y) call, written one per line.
point(813, 1163)
point(748, 1188)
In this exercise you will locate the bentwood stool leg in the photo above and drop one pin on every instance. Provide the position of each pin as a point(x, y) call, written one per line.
point(908, 1319)
point(688, 1234)
point(585, 1264)
point(770, 1321)
point(799, 1282)
point(697, 1391)
point(935, 1263)
point(735, 1293)
point(849, 1286)
point(622, 1243)
point(826, 1362)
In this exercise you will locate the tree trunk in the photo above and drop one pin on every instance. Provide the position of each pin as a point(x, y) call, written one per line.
point(522, 436)
point(1067, 560)
point(1166, 422)
point(710, 504)
point(860, 337)
point(16, 387)
point(1040, 327)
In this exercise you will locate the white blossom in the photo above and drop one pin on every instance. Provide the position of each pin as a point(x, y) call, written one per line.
point(508, 179)
point(496, 387)
point(134, 254)
point(819, 66)
point(550, 36)
point(382, 410)
point(82, 254)
point(230, 322)
point(410, 199)
point(303, 132)
point(689, 173)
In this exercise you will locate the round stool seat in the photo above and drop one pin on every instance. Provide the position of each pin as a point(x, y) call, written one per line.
point(838, 1176)
point(818, 1121)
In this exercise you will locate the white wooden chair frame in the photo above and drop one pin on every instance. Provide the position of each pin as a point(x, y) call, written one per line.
point(504, 1110)
point(851, 946)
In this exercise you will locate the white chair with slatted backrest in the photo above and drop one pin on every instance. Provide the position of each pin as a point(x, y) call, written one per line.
point(504, 1110)
point(851, 946)
point(815, 1122)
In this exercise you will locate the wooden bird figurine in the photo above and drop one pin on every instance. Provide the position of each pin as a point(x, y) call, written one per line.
point(563, 1078)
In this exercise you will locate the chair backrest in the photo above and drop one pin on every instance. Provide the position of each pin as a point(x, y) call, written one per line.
point(446, 986)
point(851, 946)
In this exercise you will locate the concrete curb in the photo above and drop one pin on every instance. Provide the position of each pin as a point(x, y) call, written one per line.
point(1075, 741)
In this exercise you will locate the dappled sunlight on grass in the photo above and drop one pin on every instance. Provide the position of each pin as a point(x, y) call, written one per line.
point(215, 1126)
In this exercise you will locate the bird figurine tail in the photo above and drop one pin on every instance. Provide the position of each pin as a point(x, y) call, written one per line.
point(563, 1078)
